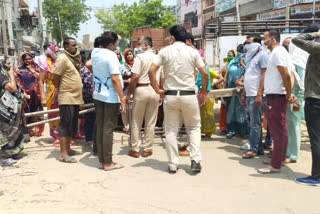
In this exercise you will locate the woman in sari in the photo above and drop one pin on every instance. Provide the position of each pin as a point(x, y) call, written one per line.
point(223, 108)
point(126, 76)
point(11, 123)
point(50, 100)
point(237, 118)
point(27, 75)
point(208, 126)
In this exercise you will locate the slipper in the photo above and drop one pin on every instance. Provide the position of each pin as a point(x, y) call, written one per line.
point(8, 162)
point(249, 155)
point(268, 171)
point(116, 166)
point(73, 152)
point(68, 159)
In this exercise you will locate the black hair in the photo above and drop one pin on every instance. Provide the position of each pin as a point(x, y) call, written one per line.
point(66, 41)
point(240, 48)
point(178, 32)
point(45, 46)
point(108, 38)
point(232, 51)
point(97, 42)
point(146, 40)
point(23, 57)
point(314, 27)
point(189, 36)
point(275, 35)
point(256, 38)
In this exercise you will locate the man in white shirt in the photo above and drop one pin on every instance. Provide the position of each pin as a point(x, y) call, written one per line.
point(180, 102)
point(277, 87)
point(145, 101)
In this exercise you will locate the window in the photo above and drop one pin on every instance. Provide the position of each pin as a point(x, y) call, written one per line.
point(209, 3)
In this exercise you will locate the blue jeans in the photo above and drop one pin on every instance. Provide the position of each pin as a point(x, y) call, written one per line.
point(255, 124)
point(268, 139)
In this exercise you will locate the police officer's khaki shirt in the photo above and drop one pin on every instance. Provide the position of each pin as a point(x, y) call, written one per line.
point(179, 62)
point(141, 67)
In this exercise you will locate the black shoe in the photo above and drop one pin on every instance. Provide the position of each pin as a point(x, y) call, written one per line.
point(172, 171)
point(261, 153)
point(195, 167)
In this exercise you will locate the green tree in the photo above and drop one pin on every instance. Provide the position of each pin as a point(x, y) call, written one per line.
point(123, 18)
point(71, 12)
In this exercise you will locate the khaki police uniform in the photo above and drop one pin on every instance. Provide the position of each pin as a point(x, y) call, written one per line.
point(145, 103)
point(179, 62)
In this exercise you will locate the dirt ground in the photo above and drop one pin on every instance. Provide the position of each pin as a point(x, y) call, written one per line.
point(39, 183)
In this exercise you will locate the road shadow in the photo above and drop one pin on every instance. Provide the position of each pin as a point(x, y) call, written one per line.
point(256, 163)
point(90, 160)
point(162, 166)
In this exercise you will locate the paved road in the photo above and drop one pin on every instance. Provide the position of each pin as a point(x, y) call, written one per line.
point(228, 184)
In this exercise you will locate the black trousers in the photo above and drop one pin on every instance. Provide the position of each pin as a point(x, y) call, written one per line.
point(89, 125)
point(106, 119)
point(312, 115)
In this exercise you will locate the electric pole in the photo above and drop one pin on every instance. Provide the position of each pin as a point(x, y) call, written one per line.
point(19, 30)
point(314, 10)
point(4, 30)
point(238, 17)
point(42, 27)
point(61, 34)
point(287, 14)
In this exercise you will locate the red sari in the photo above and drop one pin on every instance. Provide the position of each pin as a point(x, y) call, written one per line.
point(30, 85)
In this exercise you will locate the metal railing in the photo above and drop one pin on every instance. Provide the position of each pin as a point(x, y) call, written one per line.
point(220, 28)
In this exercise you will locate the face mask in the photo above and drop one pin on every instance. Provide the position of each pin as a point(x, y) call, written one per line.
point(139, 49)
point(229, 59)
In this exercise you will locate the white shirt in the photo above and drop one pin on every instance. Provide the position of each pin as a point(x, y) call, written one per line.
point(141, 67)
point(252, 76)
point(179, 62)
point(273, 83)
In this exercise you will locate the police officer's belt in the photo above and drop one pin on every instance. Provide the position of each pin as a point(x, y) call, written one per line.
point(182, 93)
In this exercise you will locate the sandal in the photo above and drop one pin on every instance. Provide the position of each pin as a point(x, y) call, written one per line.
point(8, 162)
point(249, 155)
point(68, 159)
point(73, 152)
point(268, 170)
point(115, 166)
point(230, 135)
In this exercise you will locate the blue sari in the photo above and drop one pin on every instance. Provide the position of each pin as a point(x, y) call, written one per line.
point(237, 117)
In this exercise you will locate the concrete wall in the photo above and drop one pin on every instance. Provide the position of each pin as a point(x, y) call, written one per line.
point(191, 7)
point(252, 7)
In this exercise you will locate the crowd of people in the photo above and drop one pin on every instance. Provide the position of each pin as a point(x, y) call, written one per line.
point(142, 84)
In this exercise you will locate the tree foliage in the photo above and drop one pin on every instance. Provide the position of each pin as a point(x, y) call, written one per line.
point(123, 18)
point(72, 13)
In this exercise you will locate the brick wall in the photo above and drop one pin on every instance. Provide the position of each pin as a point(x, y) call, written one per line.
point(158, 37)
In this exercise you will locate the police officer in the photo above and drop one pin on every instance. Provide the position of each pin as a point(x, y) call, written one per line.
point(179, 62)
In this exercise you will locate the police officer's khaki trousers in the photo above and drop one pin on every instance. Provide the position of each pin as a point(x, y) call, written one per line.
point(145, 106)
point(177, 108)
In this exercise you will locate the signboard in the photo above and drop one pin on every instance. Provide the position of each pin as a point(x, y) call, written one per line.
point(224, 5)
point(282, 3)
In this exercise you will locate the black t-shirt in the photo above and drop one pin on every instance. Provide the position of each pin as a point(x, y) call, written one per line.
point(3, 80)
